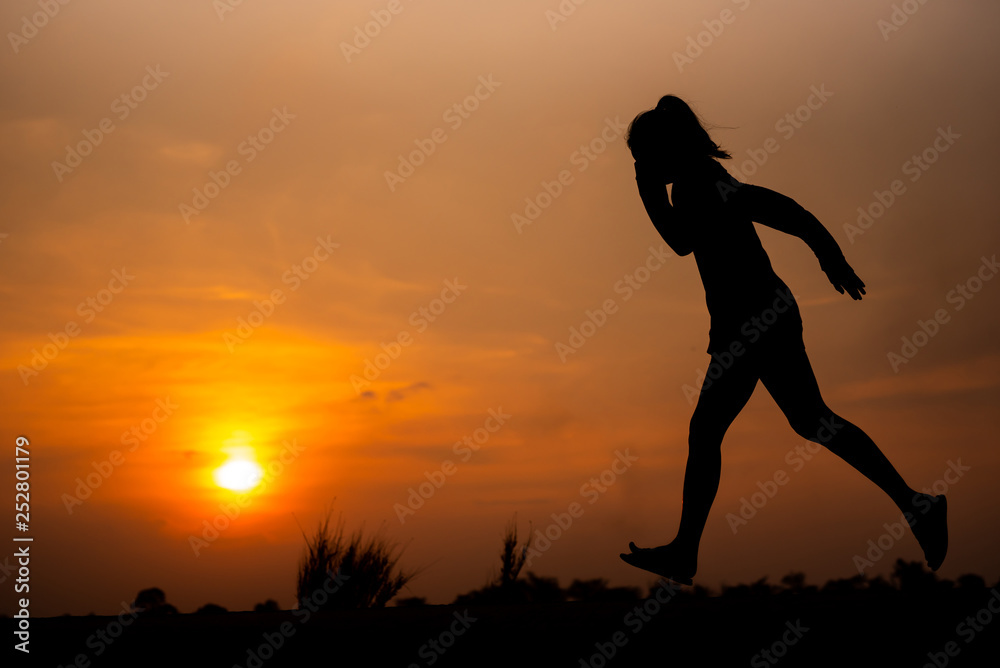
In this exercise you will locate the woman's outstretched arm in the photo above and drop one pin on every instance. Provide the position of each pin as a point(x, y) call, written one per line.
point(780, 212)
point(653, 191)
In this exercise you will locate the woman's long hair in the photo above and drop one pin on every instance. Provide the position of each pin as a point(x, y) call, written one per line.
point(674, 127)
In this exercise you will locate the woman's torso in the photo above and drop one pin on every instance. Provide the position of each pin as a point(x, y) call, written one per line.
point(742, 291)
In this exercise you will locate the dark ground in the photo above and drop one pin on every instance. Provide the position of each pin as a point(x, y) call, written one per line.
point(849, 630)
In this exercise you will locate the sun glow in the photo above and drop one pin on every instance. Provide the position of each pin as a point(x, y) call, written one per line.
point(240, 472)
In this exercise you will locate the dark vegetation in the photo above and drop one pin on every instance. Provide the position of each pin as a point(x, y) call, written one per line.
point(338, 572)
point(341, 572)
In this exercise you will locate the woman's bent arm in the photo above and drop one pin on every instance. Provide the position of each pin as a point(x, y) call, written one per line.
point(661, 213)
point(780, 212)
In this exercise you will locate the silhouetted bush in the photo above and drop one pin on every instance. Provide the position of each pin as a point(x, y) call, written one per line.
point(879, 585)
point(210, 609)
point(152, 601)
point(543, 590)
point(337, 573)
point(912, 578)
point(758, 588)
point(504, 587)
point(598, 590)
point(532, 589)
point(411, 602)
point(697, 591)
point(270, 605)
point(971, 581)
point(842, 586)
point(794, 582)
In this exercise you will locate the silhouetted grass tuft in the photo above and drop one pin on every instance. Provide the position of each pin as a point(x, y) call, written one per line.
point(512, 559)
point(338, 573)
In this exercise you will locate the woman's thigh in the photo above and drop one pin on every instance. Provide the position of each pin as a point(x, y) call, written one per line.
point(724, 393)
point(788, 376)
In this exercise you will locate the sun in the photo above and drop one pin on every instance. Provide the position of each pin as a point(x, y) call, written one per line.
point(238, 475)
point(240, 472)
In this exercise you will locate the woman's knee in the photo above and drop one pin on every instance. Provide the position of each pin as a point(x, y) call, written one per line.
point(818, 423)
point(704, 434)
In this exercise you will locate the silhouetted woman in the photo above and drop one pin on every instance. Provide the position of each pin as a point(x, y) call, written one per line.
point(756, 330)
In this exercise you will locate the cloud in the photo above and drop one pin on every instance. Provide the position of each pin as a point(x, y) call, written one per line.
point(970, 375)
point(401, 393)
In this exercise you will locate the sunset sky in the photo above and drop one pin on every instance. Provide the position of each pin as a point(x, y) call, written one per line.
point(218, 218)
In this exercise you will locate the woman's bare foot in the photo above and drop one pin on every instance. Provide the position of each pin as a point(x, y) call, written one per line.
point(930, 527)
point(668, 561)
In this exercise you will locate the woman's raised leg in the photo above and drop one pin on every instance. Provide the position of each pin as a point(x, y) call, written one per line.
point(789, 378)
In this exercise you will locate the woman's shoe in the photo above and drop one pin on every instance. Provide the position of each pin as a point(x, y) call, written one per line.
point(931, 531)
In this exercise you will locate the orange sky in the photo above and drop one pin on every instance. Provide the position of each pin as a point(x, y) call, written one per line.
point(243, 310)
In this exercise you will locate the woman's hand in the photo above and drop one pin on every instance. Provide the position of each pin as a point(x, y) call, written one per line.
point(843, 278)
